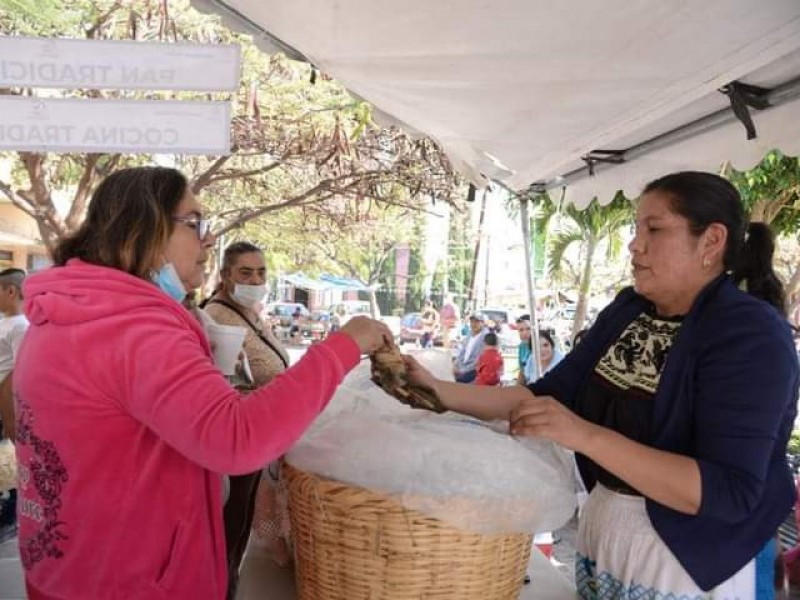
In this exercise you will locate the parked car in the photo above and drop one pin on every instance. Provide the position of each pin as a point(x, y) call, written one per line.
point(316, 326)
point(504, 322)
point(347, 309)
point(501, 316)
point(341, 312)
point(281, 313)
point(411, 330)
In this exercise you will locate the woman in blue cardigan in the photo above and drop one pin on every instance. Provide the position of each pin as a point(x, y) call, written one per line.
point(679, 403)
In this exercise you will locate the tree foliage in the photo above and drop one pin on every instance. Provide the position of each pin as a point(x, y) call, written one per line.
point(770, 192)
point(588, 228)
point(295, 145)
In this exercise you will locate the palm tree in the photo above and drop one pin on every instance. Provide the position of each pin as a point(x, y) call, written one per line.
point(589, 228)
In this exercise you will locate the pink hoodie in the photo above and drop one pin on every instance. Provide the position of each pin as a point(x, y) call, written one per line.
point(124, 427)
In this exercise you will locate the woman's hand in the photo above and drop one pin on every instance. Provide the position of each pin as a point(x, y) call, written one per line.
point(369, 334)
point(417, 374)
point(544, 416)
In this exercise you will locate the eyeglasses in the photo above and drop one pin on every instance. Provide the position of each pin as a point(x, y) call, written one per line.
point(201, 226)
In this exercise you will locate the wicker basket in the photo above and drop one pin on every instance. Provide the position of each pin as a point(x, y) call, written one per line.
point(352, 544)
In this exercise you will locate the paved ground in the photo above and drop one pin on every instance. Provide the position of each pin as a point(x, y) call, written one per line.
point(11, 582)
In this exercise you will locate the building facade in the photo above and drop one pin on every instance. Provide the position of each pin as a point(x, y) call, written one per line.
point(20, 245)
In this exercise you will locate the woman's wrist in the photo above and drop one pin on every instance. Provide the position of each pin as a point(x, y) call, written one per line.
point(437, 389)
point(591, 439)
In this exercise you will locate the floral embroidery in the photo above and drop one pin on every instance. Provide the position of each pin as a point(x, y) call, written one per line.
point(46, 472)
point(637, 359)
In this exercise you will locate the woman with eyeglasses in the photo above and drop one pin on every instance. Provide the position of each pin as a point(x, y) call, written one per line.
point(124, 423)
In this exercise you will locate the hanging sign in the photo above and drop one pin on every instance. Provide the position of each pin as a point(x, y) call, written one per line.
point(113, 65)
point(127, 126)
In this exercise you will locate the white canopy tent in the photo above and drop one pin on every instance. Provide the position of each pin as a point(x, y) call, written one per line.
point(526, 91)
point(586, 97)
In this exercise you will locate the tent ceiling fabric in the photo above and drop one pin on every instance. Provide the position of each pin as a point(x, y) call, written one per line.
point(520, 90)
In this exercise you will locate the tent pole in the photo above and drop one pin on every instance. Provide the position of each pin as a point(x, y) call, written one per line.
point(530, 281)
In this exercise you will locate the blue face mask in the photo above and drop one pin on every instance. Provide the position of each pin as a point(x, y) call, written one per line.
point(167, 279)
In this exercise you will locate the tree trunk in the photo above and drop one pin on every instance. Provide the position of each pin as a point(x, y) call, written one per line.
point(585, 288)
point(766, 209)
point(373, 303)
point(50, 237)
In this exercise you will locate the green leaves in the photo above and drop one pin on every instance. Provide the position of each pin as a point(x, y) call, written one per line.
point(28, 16)
point(770, 191)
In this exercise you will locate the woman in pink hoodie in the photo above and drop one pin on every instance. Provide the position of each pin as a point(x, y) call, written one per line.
point(124, 423)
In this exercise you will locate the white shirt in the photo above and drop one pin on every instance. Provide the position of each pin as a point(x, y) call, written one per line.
point(12, 330)
point(471, 343)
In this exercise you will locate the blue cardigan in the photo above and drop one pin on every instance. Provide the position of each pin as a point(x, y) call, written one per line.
point(727, 397)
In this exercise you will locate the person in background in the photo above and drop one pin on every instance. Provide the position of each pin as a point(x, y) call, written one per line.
point(466, 362)
point(524, 348)
point(430, 324)
point(490, 362)
point(12, 330)
point(679, 403)
point(549, 354)
point(336, 320)
point(464, 332)
point(237, 301)
point(125, 423)
point(449, 318)
point(294, 328)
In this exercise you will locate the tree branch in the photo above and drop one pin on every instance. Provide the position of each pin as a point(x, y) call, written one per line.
point(332, 255)
point(42, 201)
point(243, 174)
point(81, 197)
point(18, 200)
point(202, 180)
point(102, 20)
point(255, 213)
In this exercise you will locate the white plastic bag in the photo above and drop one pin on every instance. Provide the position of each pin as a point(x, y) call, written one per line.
point(460, 470)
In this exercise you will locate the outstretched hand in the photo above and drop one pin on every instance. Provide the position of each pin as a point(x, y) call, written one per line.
point(369, 334)
point(417, 374)
point(544, 416)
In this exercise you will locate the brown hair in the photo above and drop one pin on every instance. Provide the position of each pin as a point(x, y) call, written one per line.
point(234, 251)
point(128, 222)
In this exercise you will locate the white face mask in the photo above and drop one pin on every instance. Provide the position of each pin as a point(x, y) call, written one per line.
point(249, 295)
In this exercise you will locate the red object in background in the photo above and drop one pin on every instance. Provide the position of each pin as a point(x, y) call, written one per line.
point(490, 367)
point(543, 542)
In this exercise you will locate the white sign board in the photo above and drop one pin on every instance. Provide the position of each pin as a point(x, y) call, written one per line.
point(127, 126)
point(111, 64)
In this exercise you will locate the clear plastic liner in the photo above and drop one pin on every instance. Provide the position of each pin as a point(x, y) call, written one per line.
point(468, 473)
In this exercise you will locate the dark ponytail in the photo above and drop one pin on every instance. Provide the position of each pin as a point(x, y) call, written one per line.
point(754, 267)
point(705, 198)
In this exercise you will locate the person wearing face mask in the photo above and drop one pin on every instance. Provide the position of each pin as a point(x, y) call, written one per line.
point(236, 301)
point(124, 422)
